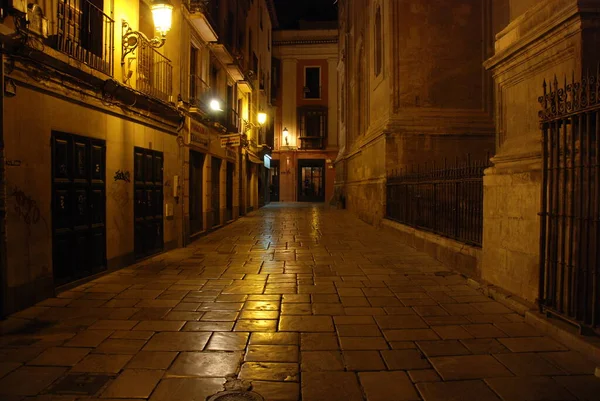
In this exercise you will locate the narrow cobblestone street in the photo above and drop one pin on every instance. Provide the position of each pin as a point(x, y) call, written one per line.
point(304, 302)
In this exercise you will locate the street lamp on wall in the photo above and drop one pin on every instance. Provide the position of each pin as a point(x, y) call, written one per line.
point(285, 136)
point(262, 118)
point(162, 15)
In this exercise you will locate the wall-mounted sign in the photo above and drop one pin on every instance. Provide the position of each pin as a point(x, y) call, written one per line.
point(230, 140)
point(267, 161)
point(230, 153)
point(198, 135)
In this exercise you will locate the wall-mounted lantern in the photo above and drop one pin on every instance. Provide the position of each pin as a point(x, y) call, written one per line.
point(262, 118)
point(286, 136)
point(162, 14)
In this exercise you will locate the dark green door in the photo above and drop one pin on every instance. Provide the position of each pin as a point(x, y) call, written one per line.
point(78, 207)
point(148, 208)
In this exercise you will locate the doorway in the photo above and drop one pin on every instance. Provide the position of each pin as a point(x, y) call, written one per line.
point(78, 207)
point(148, 209)
point(274, 184)
point(196, 181)
point(215, 194)
point(229, 192)
point(311, 180)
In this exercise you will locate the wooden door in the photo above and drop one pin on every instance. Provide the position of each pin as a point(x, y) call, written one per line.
point(78, 207)
point(148, 209)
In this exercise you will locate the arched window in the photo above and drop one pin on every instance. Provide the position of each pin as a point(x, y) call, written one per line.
point(378, 42)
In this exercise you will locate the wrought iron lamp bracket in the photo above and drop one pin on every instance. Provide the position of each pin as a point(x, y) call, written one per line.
point(131, 40)
point(249, 125)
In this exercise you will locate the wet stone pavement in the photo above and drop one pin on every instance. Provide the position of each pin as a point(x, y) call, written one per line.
point(302, 302)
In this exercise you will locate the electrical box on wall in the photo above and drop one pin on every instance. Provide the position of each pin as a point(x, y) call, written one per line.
point(168, 210)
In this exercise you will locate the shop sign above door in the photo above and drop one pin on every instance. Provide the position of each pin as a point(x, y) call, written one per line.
point(230, 140)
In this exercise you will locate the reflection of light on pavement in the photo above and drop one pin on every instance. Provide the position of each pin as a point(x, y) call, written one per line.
point(316, 220)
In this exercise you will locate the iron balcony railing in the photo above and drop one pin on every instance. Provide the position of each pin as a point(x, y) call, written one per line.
point(199, 95)
point(207, 7)
point(311, 142)
point(86, 33)
point(446, 200)
point(154, 72)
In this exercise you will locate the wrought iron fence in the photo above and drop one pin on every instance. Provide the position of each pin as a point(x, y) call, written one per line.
point(446, 200)
point(85, 33)
point(154, 72)
point(570, 198)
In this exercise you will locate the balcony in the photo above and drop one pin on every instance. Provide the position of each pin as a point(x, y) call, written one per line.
point(313, 127)
point(202, 14)
point(154, 72)
point(311, 142)
point(86, 34)
point(199, 95)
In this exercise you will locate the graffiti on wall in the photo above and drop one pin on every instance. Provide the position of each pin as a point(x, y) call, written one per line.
point(122, 176)
point(26, 207)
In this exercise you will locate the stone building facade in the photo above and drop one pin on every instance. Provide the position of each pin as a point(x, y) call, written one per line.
point(412, 91)
point(305, 92)
point(420, 82)
point(110, 149)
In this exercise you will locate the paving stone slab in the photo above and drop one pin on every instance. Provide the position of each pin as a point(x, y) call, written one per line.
point(205, 364)
point(529, 389)
point(277, 391)
point(179, 341)
point(133, 383)
point(468, 367)
point(318, 342)
point(29, 380)
point(585, 387)
point(272, 353)
point(178, 389)
point(306, 323)
point(408, 359)
point(102, 363)
point(531, 344)
point(319, 361)
point(468, 390)
point(270, 371)
point(331, 386)
point(227, 341)
point(528, 364)
point(386, 386)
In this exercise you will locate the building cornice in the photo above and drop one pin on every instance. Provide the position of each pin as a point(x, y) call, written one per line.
point(306, 42)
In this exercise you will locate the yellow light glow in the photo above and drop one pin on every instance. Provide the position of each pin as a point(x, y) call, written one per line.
point(162, 13)
point(262, 118)
point(285, 132)
point(215, 105)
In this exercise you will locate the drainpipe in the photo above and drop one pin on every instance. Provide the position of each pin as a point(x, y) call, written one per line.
point(3, 264)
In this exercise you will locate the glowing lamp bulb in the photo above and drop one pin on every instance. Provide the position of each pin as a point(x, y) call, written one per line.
point(162, 14)
point(262, 118)
point(215, 105)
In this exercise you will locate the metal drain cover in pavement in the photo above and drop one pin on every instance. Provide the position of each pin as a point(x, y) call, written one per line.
point(236, 396)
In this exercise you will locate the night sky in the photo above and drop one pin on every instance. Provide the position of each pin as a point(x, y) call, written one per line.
point(289, 12)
